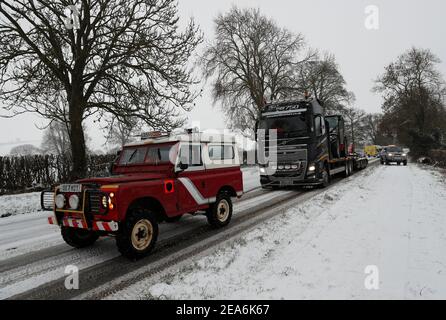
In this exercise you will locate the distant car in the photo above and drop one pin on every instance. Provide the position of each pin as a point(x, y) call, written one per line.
point(393, 154)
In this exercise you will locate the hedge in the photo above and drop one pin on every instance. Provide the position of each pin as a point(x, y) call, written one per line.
point(28, 173)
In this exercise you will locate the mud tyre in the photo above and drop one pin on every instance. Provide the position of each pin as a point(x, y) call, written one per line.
point(138, 235)
point(220, 213)
point(79, 238)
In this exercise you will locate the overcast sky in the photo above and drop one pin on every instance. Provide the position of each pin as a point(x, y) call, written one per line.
point(336, 26)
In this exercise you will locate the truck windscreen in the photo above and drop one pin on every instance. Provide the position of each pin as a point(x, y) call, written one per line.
point(296, 124)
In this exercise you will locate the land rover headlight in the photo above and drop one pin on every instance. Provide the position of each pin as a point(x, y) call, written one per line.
point(104, 202)
point(312, 168)
point(404, 154)
point(73, 201)
point(60, 201)
point(390, 154)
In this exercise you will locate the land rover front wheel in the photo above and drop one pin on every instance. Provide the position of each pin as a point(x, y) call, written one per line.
point(78, 238)
point(220, 213)
point(138, 235)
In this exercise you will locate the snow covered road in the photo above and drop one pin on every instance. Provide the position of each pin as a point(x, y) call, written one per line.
point(380, 235)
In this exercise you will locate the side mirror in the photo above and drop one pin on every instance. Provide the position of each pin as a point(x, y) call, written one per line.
point(183, 166)
point(256, 128)
point(111, 167)
point(114, 162)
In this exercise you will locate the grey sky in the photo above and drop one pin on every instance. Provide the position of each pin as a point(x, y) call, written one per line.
point(336, 26)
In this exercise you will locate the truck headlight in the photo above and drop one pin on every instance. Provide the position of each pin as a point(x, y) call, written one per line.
point(73, 201)
point(390, 155)
point(60, 201)
point(312, 168)
point(404, 154)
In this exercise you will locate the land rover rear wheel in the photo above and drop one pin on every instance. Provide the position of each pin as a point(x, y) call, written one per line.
point(78, 238)
point(138, 235)
point(220, 212)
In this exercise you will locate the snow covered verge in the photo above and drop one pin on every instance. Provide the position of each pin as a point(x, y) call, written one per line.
point(11, 205)
point(379, 235)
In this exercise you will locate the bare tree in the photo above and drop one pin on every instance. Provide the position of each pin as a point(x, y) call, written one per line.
point(414, 91)
point(125, 58)
point(321, 78)
point(25, 150)
point(251, 60)
point(56, 139)
point(121, 133)
point(354, 124)
point(371, 127)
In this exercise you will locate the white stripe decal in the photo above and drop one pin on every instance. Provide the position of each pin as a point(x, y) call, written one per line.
point(189, 185)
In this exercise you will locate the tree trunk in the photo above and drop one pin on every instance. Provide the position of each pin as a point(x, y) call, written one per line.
point(77, 140)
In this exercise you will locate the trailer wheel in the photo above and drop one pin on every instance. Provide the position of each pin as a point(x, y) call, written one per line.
point(138, 235)
point(220, 213)
point(347, 171)
point(405, 163)
point(78, 238)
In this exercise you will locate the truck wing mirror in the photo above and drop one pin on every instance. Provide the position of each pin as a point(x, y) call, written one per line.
point(256, 128)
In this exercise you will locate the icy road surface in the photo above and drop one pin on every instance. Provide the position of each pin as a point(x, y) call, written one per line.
point(388, 221)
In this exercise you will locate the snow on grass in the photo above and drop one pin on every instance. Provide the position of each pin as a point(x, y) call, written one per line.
point(391, 217)
point(19, 204)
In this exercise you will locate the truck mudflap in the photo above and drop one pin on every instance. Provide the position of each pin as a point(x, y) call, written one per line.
point(109, 226)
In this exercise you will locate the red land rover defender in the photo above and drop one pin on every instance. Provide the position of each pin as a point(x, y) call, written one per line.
point(159, 179)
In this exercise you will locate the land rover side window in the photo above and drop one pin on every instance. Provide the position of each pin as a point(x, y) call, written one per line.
point(221, 152)
point(133, 156)
point(158, 154)
point(191, 155)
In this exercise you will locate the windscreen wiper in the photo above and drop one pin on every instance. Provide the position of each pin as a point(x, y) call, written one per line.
point(131, 157)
